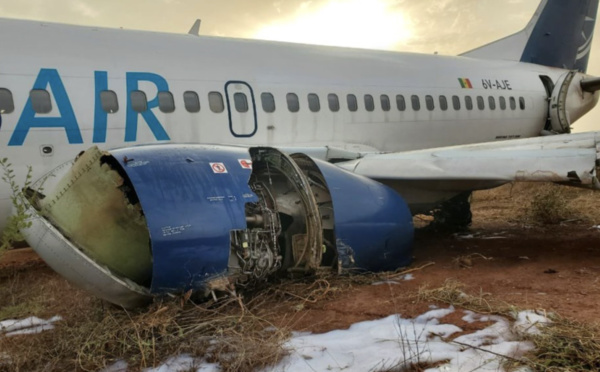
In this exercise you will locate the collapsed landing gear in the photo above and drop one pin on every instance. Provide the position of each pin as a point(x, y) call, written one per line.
point(453, 215)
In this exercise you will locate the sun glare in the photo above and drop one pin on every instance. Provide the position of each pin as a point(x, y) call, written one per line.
point(372, 24)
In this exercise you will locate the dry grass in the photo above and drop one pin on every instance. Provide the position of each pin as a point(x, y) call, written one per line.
point(537, 204)
point(550, 205)
point(235, 332)
point(226, 334)
point(563, 345)
point(566, 345)
point(452, 292)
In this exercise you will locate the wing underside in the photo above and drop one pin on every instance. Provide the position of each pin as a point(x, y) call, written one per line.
point(440, 173)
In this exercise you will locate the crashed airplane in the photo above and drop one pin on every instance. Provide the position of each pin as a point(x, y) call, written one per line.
point(332, 149)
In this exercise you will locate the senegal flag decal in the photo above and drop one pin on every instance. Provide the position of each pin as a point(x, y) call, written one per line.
point(465, 83)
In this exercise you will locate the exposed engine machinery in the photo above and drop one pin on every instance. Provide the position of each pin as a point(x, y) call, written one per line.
point(255, 250)
point(136, 222)
point(573, 95)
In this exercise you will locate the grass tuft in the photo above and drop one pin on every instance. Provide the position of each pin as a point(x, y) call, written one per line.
point(566, 345)
point(452, 292)
point(550, 205)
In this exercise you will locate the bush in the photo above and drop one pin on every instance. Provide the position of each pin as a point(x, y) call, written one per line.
point(18, 220)
point(550, 205)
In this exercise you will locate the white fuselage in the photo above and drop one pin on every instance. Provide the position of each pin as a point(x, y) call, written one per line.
point(73, 64)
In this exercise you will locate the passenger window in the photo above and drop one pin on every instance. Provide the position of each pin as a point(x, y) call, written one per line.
point(429, 103)
point(416, 102)
point(215, 102)
point(502, 103)
point(480, 103)
point(7, 104)
point(191, 101)
point(443, 103)
point(109, 102)
point(40, 101)
point(334, 102)
point(469, 103)
point(139, 103)
point(400, 102)
point(292, 102)
point(492, 102)
point(513, 103)
point(456, 102)
point(522, 103)
point(314, 105)
point(369, 102)
point(241, 102)
point(352, 102)
point(385, 102)
point(166, 103)
point(268, 102)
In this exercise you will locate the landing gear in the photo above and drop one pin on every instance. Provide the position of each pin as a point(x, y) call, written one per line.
point(453, 215)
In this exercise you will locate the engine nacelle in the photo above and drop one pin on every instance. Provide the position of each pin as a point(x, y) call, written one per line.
point(569, 101)
point(135, 222)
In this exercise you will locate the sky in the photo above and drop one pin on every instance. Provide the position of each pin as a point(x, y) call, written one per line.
point(427, 26)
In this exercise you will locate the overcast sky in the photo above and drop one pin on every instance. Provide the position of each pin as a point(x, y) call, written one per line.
point(425, 26)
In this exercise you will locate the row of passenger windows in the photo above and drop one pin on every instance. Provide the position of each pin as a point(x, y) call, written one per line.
point(42, 104)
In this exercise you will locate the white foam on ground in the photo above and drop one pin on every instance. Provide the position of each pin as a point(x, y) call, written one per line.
point(31, 325)
point(528, 322)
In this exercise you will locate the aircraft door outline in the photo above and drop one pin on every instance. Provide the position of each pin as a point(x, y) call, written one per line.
point(242, 123)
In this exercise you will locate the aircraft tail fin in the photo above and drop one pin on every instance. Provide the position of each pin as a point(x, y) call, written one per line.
point(558, 35)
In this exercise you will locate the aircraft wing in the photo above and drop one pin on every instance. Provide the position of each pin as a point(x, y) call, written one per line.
point(570, 159)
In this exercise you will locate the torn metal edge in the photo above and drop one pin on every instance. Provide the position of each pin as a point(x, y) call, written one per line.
point(66, 259)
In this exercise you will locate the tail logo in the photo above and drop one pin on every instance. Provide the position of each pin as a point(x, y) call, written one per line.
point(584, 49)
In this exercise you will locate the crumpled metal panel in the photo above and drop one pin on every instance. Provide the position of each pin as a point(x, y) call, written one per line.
point(74, 265)
point(84, 205)
point(191, 196)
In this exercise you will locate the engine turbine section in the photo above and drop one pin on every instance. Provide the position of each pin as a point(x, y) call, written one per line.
point(572, 97)
point(137, 222)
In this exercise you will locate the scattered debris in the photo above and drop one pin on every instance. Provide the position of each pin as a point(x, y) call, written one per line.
point(404, 272)
point(468, 260)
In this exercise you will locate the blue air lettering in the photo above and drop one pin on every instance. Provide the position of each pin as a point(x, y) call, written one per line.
point(133, 78)
point(100, 116)
point(49, 79)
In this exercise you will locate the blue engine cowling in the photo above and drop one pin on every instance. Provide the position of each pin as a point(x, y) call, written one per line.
point(217, 215)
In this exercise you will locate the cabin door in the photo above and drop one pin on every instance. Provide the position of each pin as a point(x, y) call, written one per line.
point(241, 108)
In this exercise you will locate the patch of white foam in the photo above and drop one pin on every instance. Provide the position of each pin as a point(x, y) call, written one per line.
point(185, 363)
point(31, 325)
point(528, 322)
